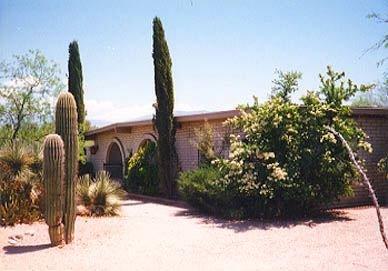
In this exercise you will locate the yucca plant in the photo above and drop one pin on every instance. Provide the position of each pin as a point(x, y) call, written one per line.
point(83, 190)
point(101, 196)
point(16, 161)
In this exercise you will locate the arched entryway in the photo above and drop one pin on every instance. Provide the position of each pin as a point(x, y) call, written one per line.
point(114, 161)
point(147, 138)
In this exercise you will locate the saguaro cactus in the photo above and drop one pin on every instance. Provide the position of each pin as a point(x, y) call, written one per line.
point(53, 175)
point(67, 127)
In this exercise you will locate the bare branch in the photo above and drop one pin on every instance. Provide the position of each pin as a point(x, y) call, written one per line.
point(366, 182)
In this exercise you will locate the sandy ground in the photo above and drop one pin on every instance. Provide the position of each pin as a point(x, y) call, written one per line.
point(149, 236)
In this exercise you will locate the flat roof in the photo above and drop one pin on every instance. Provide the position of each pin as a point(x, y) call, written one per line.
point(183, 118)
point(217, 115)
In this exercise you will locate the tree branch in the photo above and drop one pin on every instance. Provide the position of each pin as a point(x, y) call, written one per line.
point(366, 182)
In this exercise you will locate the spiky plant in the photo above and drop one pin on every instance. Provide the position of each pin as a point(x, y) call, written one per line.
point(16, 161)
point(83, 190)
point(101, 196)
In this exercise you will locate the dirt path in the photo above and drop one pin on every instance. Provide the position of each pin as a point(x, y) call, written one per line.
point(149, 236)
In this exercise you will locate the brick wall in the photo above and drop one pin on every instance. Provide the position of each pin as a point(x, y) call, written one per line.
point(129, 143)
point(375, 126)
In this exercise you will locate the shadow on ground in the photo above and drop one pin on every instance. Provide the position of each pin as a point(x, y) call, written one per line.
point(265, 224)
point(25, 249)
point(241, 225)
point(126, 203)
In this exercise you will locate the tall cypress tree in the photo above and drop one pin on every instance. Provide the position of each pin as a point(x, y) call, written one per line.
point(164, 107)
point(75, 81)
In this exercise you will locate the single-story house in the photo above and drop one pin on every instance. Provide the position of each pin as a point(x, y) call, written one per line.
point(115, 142)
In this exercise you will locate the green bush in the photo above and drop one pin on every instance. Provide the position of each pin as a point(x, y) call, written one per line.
point(203, 189)
point(199, 188)
point(142, 171)
point(283, 161)
point(100, 196)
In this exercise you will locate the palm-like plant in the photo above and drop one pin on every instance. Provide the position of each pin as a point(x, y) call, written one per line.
point(101, 196)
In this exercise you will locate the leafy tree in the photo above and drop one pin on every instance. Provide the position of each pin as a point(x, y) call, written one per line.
point(75, 81)
point(27, 86)
point(379, 95)
point(285, 84)
point(164, 107)
point(383, 42)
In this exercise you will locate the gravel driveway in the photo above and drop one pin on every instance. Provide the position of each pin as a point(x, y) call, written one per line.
point(149, 236)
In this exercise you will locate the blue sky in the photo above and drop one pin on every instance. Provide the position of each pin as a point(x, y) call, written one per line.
point(223, 52)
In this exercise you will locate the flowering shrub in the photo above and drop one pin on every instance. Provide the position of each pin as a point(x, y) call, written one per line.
point(282, 158)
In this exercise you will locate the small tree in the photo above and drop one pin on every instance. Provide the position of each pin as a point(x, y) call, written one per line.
point(75, 81)
point(378, 97)
point(27, 86)
point(285, 84)
point(204, 143)
point(164, 107)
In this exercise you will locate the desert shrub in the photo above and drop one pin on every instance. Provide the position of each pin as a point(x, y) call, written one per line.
point(20, 184)
point(142, 171)
point(101, 196)
point(283, 161)
point(19, 202)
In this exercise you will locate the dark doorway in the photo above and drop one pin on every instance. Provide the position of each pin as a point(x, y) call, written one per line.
point(114, 162)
